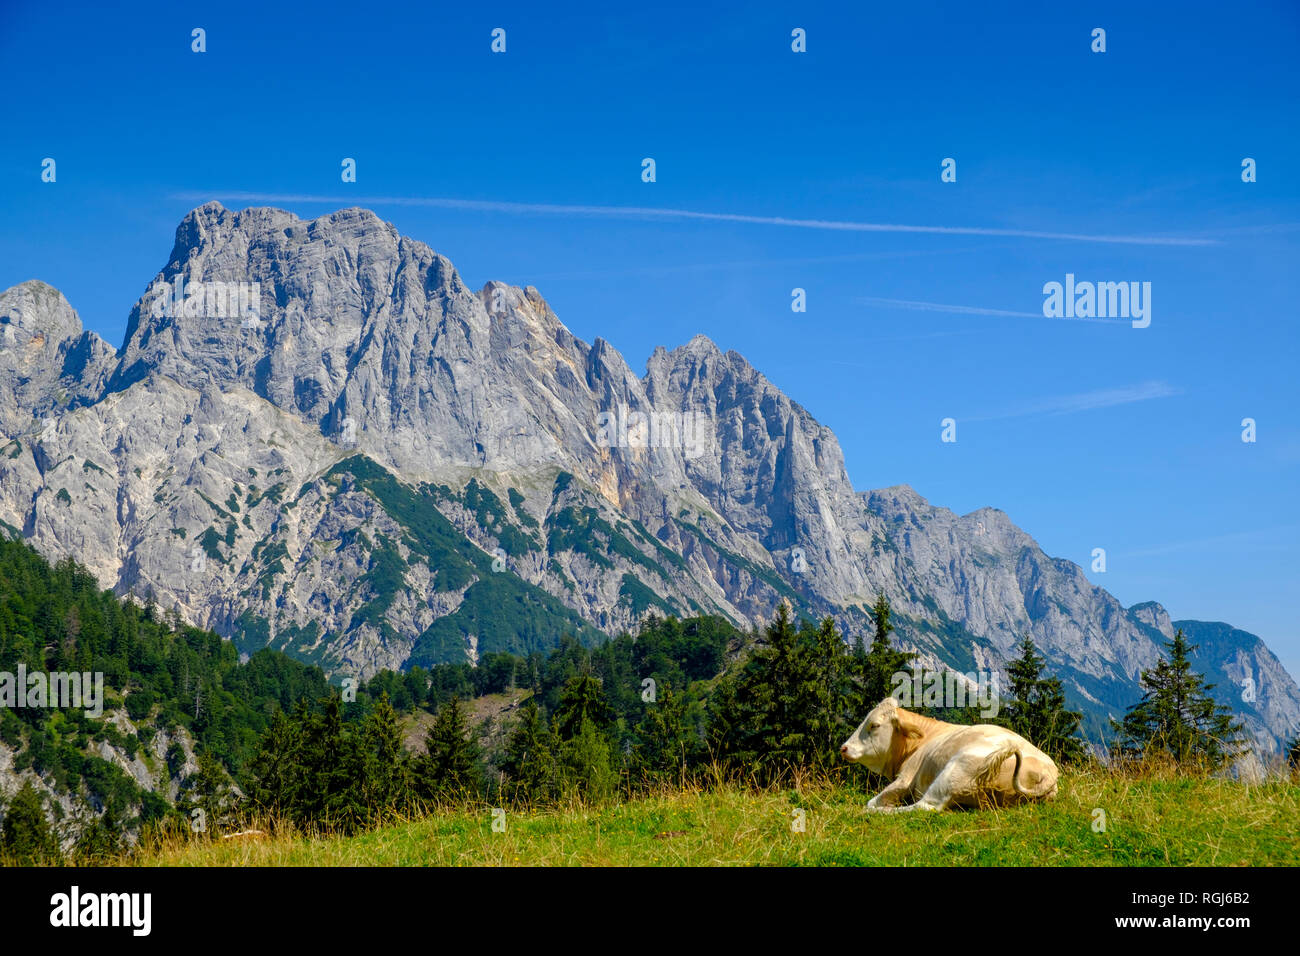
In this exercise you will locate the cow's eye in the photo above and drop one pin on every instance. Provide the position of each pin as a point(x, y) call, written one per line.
point(871, 726)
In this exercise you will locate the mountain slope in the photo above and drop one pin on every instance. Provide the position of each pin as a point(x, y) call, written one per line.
point(135, 743)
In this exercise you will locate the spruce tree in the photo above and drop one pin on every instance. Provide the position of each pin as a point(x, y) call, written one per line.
point(1035, 708)
point(582, 699)
point(877, 667)
point(1178, 716)
point(334, 773)
point(781, 692)
point(25, 836)
point(665, 745)
point(529, 760)
point(384, 758)
point(100, 842)
point(582, 720)
point(585, 763)
point(208, 791)
point(278, 771)
point(831, 718)
point(450, 766)
point(775, 713)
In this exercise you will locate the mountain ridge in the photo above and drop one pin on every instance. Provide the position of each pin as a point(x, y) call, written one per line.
point(157, 459)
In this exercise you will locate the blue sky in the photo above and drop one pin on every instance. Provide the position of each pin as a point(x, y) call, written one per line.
point(1088, 434)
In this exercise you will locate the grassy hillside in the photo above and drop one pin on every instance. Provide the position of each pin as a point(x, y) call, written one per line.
point(1156, 819)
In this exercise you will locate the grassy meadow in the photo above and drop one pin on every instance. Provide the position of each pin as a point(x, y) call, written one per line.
point(1151, 818)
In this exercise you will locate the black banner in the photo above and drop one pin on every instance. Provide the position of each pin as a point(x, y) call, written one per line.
point(336, 906)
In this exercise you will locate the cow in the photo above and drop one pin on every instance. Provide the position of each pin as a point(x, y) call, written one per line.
point(940, 765)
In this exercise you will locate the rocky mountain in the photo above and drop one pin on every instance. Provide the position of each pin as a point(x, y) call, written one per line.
point(317, 437)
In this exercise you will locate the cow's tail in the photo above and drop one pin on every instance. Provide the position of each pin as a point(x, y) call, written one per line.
point(992, 766)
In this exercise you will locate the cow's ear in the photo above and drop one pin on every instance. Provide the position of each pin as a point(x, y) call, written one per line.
point(904, 723)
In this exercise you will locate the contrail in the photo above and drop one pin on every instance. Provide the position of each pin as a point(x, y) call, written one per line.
point(646, 212)
point(1085, 402)
point(1282, 530)
point(980, 310)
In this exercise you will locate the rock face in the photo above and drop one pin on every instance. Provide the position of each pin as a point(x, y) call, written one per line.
point(149, 767)
point(47, 362)
point(317, 437)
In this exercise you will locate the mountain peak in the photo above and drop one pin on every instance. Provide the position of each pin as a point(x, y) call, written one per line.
point(1154, 615)
point(274, 303)
point(903, 494)
point(701, 344)
point(214, 225)
point(700, 351)
point(203, 223)
point(47, 360)
point(212, 209)
point(40, 310)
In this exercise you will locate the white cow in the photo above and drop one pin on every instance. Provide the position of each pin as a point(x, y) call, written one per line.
point(939, 765)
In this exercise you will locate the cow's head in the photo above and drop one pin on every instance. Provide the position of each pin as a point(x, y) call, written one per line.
point(875, 743)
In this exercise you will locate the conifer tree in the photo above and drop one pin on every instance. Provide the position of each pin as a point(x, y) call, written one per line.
point(1035, 707)
point(450, 766)
point(278, 770)
point(831, 668)
point(782, 694)
point(386, 771)
point(529, 761)
point(877, 667)
point(333, 796)
point(101, 841)
point(774, 714)
point(585, 762)
point(666, 745)
point(581, 724)
point(26, 836)
point(208, 791)
point(1178, 716)
point(582, 699)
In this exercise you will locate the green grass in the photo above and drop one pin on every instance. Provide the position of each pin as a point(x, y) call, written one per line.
point(1153, 820)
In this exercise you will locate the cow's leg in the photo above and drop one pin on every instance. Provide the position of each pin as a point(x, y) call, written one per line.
point(921, 804)
point(933, 799)
point(953, 782)
point(937, 796)
point(889, 799)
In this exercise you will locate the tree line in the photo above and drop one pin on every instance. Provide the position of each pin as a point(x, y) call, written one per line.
point(639, 713)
